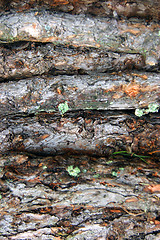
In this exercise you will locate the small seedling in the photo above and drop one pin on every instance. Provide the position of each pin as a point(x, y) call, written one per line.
point(130, 154)
point(63, 107)
point(73, 171)
point(115, 174)
point(109, 162)
point(44, 167)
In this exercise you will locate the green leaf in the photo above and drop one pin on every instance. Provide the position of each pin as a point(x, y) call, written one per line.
point(121, 152)
point(130, 154)
point(121, 169)
point(109, 162)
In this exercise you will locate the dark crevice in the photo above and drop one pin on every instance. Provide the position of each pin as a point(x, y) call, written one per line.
point(72, 114)
point(95, 114)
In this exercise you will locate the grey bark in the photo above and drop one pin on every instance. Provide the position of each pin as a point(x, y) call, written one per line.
point(102, 48)
point(27, 104)
point(94, 134)
point(41, 201)
point(48, 59)
point(70, 88)
point(134, 36)
point(148, 9)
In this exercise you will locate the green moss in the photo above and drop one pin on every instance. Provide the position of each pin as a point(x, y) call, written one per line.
point(63, 107)
point(74, 172)
point(94, 105)
point(139, 112)
point(152, 108)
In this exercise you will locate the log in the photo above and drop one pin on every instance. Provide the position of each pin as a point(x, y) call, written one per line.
point(58, 50)
point(40, 200)
point(149, 9)
point(93, 127)
point(99, 45)
point(79, 119)
point(109, 91)
point(95, 134)
point(48, 59)
point(113, 35)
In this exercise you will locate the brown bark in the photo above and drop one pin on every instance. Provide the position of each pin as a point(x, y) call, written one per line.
point(149, 9)
point(90, 124)
point(95, 134)
point(48, 59)
point(109, 199)
point(71, 87)
point(101, 48)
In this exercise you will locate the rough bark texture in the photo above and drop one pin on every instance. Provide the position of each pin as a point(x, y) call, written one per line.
point(74, 75)
point(149, 9)
point(114, 199)
point(88, 63)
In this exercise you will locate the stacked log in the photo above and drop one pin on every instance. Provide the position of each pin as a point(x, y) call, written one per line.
point(79, 87)
point(102, 68)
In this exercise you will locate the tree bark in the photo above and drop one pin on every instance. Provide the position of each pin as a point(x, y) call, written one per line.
point(98, 65)
point(40, 200)
point(101, 117)
point(149, 9)
point(80, 125)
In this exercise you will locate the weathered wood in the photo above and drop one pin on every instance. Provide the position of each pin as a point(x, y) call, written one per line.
point(104, 134)
point(101, 68)
point(83, 45)
point(149, 9)
point(80, 31)
point(109, 199)
point(95, 134)
point(48, 59)
point(109, 91)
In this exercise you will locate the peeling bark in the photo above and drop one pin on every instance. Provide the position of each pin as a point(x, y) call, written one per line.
point(109, 91)
point(48, 59)
point(31, 106)
point(92, 44)
point(109, 34)
point(95, 134)
point(40, 199)
point(149, 9)
point(58, 49)
point(69, 86)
